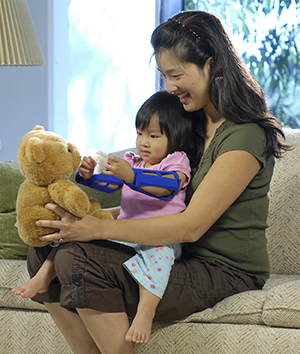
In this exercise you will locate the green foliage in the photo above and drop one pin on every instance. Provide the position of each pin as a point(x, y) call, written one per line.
point(272, 51)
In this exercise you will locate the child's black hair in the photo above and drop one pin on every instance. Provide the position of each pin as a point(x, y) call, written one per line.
point(174, 121)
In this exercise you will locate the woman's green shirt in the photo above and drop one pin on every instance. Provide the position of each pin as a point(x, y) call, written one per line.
point(238, 237)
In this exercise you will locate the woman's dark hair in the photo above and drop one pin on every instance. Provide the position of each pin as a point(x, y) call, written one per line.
point(195, 36)
point(174, 121)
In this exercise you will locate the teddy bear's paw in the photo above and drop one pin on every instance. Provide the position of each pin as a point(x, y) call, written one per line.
point(70, 197)
point(76, 203)
point(94, 205)
point(77, 210)
point(102, 214)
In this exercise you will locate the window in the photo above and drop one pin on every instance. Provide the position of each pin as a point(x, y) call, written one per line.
point(102, 70)
point(267, 35)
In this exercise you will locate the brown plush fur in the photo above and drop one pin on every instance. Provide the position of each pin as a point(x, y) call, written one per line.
point(47, 161)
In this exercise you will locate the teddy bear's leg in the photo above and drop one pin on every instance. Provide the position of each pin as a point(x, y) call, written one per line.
point(102, 214)
point(94, 205)
point(95, 210)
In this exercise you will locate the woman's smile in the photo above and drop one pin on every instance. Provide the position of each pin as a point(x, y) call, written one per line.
point(183, 97)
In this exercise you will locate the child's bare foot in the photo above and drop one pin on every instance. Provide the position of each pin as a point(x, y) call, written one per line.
point(140, 329)
point(31, 288)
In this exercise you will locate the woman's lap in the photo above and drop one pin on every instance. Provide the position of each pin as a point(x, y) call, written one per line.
point(92, 276)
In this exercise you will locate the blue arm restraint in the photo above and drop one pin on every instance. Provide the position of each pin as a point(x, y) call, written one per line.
point(102, 178)
point(142, 177)
point(154, 178)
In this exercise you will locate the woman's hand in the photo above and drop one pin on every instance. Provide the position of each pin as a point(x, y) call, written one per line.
point(71, 228)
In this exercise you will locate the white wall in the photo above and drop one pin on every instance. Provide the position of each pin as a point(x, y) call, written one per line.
point(24, 92)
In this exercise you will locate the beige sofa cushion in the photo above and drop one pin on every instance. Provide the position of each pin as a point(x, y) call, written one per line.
point(12, 274)
point(284, 213)
point(243, 308)
point(275, 305)
point(282, 306)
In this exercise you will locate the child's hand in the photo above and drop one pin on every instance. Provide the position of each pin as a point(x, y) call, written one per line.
point(87, 166)
point(119, 168)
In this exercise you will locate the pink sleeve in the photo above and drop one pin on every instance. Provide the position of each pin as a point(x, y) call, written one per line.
point(177, 162)
point(131, 157)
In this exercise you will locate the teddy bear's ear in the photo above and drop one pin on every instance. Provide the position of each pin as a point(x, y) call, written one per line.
point(34, 150)
point(38, 127)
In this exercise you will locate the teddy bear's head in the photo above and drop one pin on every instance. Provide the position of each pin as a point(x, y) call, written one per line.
point(45, 157)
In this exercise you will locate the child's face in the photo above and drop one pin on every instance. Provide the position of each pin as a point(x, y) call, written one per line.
point(151, 143)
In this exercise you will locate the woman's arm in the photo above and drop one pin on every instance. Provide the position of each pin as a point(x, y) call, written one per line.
point(226, 180)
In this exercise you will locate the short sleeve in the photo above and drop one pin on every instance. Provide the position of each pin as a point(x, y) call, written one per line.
point(177, 162)
point(246, 137)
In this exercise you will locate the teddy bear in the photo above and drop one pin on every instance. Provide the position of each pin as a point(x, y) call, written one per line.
point(47, 161)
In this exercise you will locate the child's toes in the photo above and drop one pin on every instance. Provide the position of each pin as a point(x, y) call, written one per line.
point(136, 337)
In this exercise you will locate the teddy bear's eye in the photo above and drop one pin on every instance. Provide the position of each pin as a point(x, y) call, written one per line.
point(69, 150)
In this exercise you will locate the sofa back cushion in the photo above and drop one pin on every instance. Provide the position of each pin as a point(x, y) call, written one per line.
point(11, 246)
point(10, 180)
point(283, 233)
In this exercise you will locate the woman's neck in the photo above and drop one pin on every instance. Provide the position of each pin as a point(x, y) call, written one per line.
point(213, 122)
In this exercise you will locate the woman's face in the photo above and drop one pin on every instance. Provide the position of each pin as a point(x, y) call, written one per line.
point(185, 80)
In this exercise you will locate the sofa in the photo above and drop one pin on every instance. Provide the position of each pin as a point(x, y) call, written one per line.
point(262, 321)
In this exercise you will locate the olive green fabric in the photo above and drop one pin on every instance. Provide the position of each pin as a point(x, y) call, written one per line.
point(238, 237)
point(11, 246)
point(10, 180)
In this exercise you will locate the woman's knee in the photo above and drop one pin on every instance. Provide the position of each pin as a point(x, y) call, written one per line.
point(64, 259)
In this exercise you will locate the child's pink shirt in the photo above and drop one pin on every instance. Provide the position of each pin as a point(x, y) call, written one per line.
point(136, 205)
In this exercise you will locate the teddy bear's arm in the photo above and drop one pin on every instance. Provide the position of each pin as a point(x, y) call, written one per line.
point(70, 197)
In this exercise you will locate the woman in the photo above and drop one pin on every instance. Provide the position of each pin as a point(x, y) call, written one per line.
point(223, 226)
